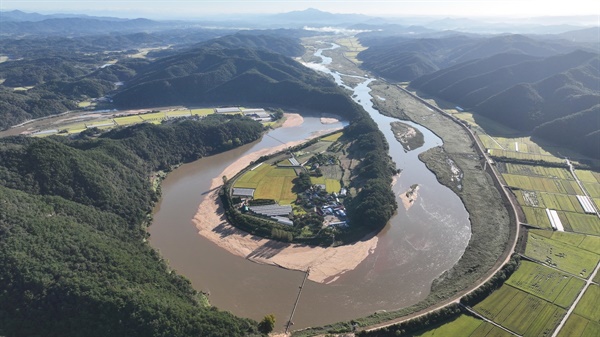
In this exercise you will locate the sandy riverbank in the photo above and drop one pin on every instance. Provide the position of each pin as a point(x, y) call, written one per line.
point(329, 118)
point(409, 197)
point(325, 264)
point(292, 119)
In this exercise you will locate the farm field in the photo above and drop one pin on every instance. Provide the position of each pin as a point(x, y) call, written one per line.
point(270, 182)
point(464, 325)
point(542, 184)
point(353, 48)
point(588, 305)
point(202, 112)
point(153, 116)
point(560, 255)
point(520, 312)
point(540, 171)
point(577, 326)
point(546, 283)
point(332, 137)
point(128, 120)
point(498, 153)
point(587, 242)
point(179, 113)
point(559, 202)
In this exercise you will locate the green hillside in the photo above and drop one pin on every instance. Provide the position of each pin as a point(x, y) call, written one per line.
point(74, 258)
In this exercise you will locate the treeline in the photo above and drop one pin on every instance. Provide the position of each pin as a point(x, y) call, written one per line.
point(73, 258)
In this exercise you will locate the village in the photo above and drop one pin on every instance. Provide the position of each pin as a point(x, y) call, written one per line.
point(300, 190)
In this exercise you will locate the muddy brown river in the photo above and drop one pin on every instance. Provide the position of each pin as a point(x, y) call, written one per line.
point(414, 248)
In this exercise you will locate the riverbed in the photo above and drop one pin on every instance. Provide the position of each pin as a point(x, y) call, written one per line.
point(413, 249)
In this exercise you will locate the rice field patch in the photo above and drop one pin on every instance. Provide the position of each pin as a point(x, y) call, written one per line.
point(560, 255)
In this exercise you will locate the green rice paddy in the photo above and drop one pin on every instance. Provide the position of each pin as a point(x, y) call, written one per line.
point(464, 325)
point(520, 312)
point(546, 283)
point(560, 255)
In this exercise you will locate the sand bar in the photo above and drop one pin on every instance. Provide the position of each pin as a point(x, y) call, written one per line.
point(325, 264)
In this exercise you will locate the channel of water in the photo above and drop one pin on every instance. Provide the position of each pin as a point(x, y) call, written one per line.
point(414, 248)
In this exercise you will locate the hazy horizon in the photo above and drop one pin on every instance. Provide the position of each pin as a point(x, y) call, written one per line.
point(203, 9)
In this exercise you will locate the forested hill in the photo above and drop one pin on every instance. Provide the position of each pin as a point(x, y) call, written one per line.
point(74, 259)
point(233, 76)
point(403, 59)
point(539, 95)
point(267, 41)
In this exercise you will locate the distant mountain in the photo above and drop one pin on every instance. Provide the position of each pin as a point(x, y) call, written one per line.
point(315, 16)
point(20, 16)
point(404, 59)
point(78, 26)
point(591, 35)
point(274, 43)
point(531, 94)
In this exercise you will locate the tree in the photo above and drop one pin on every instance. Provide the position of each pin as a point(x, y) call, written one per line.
point(267, 324)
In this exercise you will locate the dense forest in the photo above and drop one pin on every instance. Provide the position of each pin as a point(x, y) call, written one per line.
point(74, 260)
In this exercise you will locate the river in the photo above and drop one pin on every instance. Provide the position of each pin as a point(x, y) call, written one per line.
point(414, 248)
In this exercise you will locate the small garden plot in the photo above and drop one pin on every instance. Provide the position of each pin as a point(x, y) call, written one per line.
point(543, 282)
point(577, 326)
point(565, 257)
point(588, 305)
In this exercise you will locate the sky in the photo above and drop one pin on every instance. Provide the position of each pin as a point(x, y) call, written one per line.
point(173, 9)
